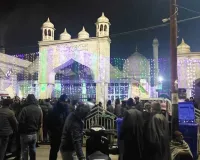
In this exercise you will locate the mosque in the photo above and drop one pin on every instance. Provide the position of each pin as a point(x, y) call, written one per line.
point(82, 68)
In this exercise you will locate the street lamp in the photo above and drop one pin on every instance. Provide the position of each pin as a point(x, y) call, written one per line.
point(160, 79)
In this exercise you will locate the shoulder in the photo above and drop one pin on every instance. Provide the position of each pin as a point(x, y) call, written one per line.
point(10, 112)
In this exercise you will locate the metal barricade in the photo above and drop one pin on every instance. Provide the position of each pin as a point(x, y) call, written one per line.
point(101, 117)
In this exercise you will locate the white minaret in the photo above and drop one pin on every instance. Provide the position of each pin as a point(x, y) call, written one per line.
point(155, 57)
point(48, 31)
point(102, 26)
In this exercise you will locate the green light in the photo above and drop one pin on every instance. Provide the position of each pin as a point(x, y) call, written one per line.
point(43, 87)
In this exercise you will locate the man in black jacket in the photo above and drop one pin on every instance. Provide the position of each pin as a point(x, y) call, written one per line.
point(8, 124)
point(29, 125)
point(132, 132)
point(16, 107)
point(71, 143)
point(56, 119)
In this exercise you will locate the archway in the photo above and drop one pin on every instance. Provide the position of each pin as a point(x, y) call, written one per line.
point(75, 80)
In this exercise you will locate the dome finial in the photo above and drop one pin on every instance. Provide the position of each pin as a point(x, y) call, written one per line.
point(183, 40)
point(136, 48)
point(103, 15)
point(48, 20)
point(83, 28)
point(65, 31)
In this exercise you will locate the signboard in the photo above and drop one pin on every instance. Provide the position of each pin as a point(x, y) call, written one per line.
point(182, 94)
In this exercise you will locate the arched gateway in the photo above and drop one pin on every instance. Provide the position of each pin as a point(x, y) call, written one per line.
point(92, 52)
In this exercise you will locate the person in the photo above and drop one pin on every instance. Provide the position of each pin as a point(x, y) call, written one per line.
point(40, 132)
point(100, 104)
point(8, 125)
point(17, 108)
point(55, 123)
point(72, 135)
point(194, 102)
point(138, 104)
point(117, 110)
point(146, 112)
point(132, 132)
point(46, 107)
point(29, 124)
point(179, 148)
point(157, 136)
point(71, 108)
point(110, 107)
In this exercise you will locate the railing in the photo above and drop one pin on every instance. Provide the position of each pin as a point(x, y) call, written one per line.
point(101, 117)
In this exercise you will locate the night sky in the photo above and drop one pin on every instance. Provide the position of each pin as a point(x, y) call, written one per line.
point(20, 23)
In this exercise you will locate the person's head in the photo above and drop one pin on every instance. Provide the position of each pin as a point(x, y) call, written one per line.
point(178, 136)
point(82, 110)
point(187, 100)
point(191, 99)
point(16, 100)
point(137, 99)
point(147, 106)
point(155, 108)
point(117, 101)
point(31, 99)
point(100, 104)
point(109, 103)
point(47, 100)
point(62, 102)
point(6, 103)
point(63, 98)
point(130, 103)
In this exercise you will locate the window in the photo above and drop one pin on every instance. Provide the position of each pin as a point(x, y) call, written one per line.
point(45, 32)
point(49, 32)
point(101, 28)
point(105, 28)
point(118, 90)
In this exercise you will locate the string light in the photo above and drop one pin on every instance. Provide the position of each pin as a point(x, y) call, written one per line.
point(119, 85)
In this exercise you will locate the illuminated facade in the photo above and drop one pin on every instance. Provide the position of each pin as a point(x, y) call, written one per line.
point(189, 70)
point(81, 67)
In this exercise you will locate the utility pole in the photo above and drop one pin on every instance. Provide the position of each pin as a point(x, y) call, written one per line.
point(173, 56)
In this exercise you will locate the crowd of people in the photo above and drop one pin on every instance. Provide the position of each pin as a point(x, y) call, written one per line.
point(144, 132)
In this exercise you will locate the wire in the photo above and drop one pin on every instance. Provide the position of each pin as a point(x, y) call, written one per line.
point(190, 10)
point(153, 27)
point(129, 32)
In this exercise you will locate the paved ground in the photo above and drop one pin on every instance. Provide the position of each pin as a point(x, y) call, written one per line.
point(43, 154)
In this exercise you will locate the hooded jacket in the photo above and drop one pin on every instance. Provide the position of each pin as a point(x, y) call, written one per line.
point(73, 131)
point(56, 118)
point(30, 117)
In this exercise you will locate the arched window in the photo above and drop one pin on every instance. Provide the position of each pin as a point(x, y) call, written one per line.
point(105, 28)
point(49, 32)
point(45, 32)
point(101, 28)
